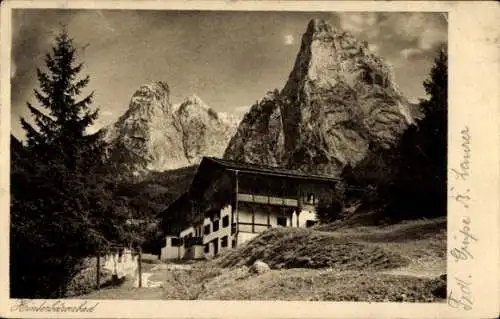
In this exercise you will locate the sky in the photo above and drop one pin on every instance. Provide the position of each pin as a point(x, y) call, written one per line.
point(229, 59)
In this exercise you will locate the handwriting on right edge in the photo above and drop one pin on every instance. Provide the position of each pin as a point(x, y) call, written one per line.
point(460, 294)
point(464, 298)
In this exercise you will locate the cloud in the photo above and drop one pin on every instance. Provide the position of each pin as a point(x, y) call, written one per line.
point(240, 111)
point(410, 53)
point(421, 27)
point(105, 113)
point(32, 36)
point(243, 108)
point(288, 39)
point(363, 22)
point(423, 30)
point(430, 38)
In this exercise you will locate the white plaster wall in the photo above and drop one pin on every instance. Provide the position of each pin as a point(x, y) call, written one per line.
point(261, 216)
point(169, 252)
point(194, 252)
point(244, 228)
point(244, 214)
point(221, 232)
point(306, 215)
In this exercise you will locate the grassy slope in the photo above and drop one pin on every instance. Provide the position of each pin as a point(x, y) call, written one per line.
point(367, 263)
point(350, 248)
point(393, 263)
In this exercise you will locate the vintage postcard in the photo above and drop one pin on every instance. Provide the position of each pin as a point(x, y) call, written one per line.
point(274, 159)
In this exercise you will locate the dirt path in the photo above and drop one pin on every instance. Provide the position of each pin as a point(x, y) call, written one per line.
point(153, 282)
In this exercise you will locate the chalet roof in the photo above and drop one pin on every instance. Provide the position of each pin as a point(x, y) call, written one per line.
point(266, 170)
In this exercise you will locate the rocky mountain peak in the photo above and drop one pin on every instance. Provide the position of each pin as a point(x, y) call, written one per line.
point(152, 94)
point(319, 26)
point(153, 135)
point(195, 106)
point(195, 100)
point(340, 100)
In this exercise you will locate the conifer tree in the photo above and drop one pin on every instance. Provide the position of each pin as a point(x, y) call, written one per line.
point(62, 119)
point(419, 188)
point(62, 207)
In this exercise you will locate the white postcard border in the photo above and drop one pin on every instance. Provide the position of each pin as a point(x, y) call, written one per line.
point(474, 41)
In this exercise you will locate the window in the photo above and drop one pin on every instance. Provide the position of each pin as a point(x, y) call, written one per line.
point(282, 221)
point(233, 228)
point(175, 242)
point(207, 229)
point(223, 242)
point(207, 248)
point(225, 221)
point(215, 225)
point(233, 243)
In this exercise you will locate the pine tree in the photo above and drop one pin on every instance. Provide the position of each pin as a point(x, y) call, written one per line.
point(433, 129)
point(62, 121)
point(419, 188)
point(62, 207)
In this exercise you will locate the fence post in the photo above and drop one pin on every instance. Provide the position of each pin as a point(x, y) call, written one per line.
point(139, 267)
point(98, 273)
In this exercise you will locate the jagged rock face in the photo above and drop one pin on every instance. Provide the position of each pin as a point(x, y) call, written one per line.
point(339, 101)
point(204, 131)
point(259, 138)
point(153, 135)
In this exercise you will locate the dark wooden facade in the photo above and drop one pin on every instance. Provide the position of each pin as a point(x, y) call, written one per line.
point(219, 183)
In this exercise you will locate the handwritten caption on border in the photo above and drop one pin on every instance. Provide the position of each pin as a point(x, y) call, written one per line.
point(460, 292)
point(26, 305)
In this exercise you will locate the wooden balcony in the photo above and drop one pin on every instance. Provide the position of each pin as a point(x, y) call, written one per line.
point(262, 199)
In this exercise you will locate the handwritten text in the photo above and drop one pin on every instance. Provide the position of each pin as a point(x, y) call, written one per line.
point(463, 298)
point(463, 251)
point(460, 291)
point(463, 171)
point(52, 306)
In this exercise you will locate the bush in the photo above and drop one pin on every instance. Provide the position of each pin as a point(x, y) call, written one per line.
point(331, 204)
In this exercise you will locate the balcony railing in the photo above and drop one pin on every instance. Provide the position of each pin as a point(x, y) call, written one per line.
point(262, 199)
